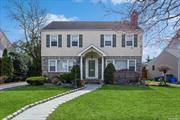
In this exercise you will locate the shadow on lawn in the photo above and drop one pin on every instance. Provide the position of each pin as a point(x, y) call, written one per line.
point(125, 87)
point(36, 88)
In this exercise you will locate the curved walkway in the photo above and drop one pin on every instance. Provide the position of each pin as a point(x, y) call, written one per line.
point(12, 85)
point(41, 111)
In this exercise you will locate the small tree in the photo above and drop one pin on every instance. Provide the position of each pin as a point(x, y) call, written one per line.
point(6, 68)
point(164, 69)
point(75, 72)
point(109, 73)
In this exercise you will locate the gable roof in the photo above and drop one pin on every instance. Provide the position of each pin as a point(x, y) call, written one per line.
point(116, 25)
point(92, 47)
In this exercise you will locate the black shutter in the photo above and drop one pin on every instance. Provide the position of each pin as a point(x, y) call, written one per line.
point(114, 40)
point(135, 40)
point(123, 40)
point(68, 40)
point(47, 40)
point(80, 40)
point(59, 40)
point(102, 41)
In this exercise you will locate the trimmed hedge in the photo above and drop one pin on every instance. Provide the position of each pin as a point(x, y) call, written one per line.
point(39, 80)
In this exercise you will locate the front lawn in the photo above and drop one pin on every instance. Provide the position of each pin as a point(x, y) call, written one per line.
point(13, 99)
point(113, 102)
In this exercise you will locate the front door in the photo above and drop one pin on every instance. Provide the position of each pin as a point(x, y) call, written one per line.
point(91, 69)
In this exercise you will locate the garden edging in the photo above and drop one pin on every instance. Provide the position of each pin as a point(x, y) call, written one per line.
point(9, 117)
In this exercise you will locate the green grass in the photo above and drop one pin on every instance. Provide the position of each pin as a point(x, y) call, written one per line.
point(13, 99)
point(114, 102)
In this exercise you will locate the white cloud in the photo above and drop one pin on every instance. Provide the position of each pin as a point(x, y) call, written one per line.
point(152, 51)
point(53, 17)
point(114, 2)
point(121, 1)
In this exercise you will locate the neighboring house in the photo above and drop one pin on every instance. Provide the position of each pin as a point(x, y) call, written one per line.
point(4, 42)
point(170, 56)
point(92, 45)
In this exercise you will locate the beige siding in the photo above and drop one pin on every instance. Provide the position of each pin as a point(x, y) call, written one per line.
point(90, 37)
point(164, 58)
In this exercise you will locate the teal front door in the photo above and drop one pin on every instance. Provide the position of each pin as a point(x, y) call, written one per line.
point(91, 69)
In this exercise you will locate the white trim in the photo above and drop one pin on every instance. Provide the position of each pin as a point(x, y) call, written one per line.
point(127, 60)
point(49, 65)
point(94, 47)
point(102, 69)
point(105, 35)
point(71, 40)
point(129, 40)
point(67, 62)
point(56, 40)
point(128, 64)
point(81, 67)
point(96, 68)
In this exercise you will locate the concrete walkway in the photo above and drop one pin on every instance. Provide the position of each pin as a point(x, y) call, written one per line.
point(42, 111)
point(12, 85)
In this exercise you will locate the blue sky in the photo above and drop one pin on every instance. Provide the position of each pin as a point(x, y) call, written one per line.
point(84, 10)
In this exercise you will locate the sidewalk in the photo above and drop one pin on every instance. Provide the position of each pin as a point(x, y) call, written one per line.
point(12, 85)
point(42, 111)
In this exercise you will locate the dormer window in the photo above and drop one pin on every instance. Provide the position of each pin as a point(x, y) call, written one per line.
point(108, 40)
point(74, 40)
point(54, 40)
point(130, 40)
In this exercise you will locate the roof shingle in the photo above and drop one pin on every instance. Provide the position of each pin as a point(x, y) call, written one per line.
point(90, 25)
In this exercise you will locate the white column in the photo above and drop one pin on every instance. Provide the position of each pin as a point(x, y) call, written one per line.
point(81, 67)
point(102, 72)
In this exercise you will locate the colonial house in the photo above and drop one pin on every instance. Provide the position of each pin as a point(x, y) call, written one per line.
point(4, 42)
point(91, 45)
point(170, 57)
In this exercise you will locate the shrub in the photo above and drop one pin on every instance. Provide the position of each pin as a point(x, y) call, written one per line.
point(39, 80)
point(109, 74)
point(75, 71)
point(66, 77)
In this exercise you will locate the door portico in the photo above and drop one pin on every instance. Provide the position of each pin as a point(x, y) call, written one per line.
point(89, 63)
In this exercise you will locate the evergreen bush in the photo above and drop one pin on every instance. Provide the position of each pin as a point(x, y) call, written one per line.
point(109, 74)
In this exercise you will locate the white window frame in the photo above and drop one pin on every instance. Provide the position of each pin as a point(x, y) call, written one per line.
point(108, 40)
point(127, 60)
point(134, 62)
point(123, 59)
point(56, 40)
point(49, 65)
point(127, 39)
point(74, 40)
point(67, 62)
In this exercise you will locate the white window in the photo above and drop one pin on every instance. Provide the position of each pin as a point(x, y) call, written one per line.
point(52, 65)
point(74, 40)
point(70, 65)
point(61, 65)
point(120, 64)
point(108, 40)
point(109, 61)
point(54, 40)
point(132, 65)
point(130, 40)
